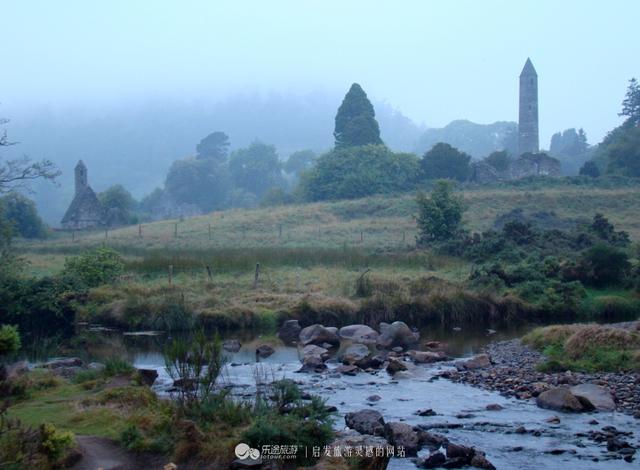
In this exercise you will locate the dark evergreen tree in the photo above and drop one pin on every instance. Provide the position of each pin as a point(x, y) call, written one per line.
point(356, 120)
point(631, 102)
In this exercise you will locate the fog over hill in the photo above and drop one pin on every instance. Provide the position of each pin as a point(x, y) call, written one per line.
point(135, 144)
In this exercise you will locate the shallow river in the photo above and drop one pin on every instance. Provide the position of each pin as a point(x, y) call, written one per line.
point(490, 431)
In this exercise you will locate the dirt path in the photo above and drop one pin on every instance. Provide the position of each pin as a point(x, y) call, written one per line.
point(102, 453)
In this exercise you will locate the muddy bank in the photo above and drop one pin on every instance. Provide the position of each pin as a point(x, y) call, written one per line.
point(513, 373)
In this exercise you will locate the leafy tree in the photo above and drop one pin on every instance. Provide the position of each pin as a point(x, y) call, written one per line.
point(570, 143)
point(499, 160)
point(445, 161)
point(353, 172)
point(631, 102)
point(204, 183)
point(300, 161)
point(21, 214)
point(117, 197)
point(355, 121)
point(623, 152)
point(255, 168)
point(439, 214)
point(215, 146)
point(590, 169)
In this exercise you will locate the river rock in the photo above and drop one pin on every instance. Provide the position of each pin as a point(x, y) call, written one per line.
point(434, 460)
point(231, 345)
point(476, 362)
point(265, 350)
point(494, 407)
point(289, 332)
point(402, 435)
point(396, 334)
point(479, 460)
point(359, 334)
point(559, 399)
point(395, 365)
point(97, 366)
point(356, 354)
point(435, 346)
point(313, 350)
point(366, 422)
point(318, 334)
point(594, 397)
point(347, 369)
point(427, 357)
point(148, 376)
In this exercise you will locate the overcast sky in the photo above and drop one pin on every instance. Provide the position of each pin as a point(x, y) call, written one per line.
point(434, 60)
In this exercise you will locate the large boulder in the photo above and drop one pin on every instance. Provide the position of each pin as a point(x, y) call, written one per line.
point(264, 350)
point(357, 354)
point(402, 435)
point(313, 363)
point(427, 357)
point(476, 362)
point(594, 397)
point(559, 399)
point(359, 334)
point(63, 362)
point(13, 371)
point(289, 332)
point(366, 422)
point(313, 350)
point(318, 334)
point(396, 334)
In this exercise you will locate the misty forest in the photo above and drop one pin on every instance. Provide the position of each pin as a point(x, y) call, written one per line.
point(269, 236)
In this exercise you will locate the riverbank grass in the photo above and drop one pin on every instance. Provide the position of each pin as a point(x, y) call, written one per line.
point(587, 347)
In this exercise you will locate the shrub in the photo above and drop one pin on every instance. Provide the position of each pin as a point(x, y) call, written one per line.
point(94, 267)
point(9, 340)
point(440, 214)
point(54, 442)
point(196, 364)
point(604, 265)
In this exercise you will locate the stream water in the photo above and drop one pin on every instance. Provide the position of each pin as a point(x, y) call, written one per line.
point(490, 431)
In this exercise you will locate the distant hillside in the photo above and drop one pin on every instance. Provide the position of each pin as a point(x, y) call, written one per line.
point(478, 140)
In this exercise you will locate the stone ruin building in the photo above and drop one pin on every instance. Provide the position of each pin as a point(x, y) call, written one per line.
point(85, 211)
point(530, 161)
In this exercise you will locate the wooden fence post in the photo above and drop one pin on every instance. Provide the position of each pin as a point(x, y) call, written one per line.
point(209, 231)
point(256, 279)
point(403, 236)
point(175, 230)
point(170, 273)
point(140, 230)
point(73, 235)
point(209, 272)
point(361, 236)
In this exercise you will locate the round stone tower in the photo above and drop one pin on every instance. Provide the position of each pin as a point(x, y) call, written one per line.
point(528, 140)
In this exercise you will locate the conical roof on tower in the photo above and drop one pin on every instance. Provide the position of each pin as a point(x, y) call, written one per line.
point(528, 69)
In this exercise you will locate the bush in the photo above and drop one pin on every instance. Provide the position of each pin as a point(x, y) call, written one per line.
point(440, 214)
point(94, 267)
point(599, 337)
point(9, 340)
point(445, 161)
point(196, 364)
point(604, 265)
